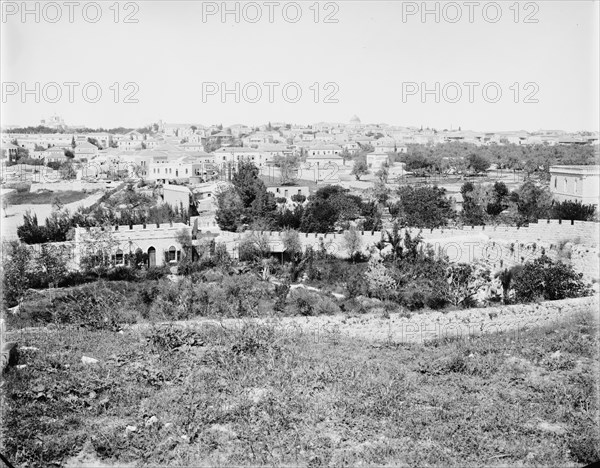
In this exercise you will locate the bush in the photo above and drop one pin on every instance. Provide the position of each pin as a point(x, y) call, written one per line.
point(304, 302)
point(281, 292)
point(121, 273)
point(356, 284)
point(156, 273)
point(95, 307)
point(413, 298)
point(326, 306)
point(546, 279)
point(573, 210)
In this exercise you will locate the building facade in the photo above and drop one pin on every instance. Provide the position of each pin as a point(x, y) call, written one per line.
point(576, 183)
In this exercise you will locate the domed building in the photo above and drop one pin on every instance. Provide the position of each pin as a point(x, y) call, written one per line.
point(355, 123)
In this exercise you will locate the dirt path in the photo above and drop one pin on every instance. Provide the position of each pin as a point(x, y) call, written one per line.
point(516, 319)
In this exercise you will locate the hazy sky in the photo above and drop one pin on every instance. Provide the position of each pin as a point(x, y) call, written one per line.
point(375, 51)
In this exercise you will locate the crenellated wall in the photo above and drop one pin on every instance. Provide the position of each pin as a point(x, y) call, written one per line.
point(498, 246)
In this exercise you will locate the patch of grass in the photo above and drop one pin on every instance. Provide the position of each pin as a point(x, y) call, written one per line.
point(211, 395)
point(46, 197)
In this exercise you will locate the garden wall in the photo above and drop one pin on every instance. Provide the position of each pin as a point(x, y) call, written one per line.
point(498, 246)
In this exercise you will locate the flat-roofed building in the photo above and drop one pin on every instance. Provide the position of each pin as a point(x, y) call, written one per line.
point(576, 183)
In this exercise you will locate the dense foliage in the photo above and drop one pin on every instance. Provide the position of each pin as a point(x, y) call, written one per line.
point(547, 279)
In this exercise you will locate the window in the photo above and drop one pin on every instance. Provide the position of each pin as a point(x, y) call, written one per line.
point(172, 254)
point(555, 182)
point(119, 257)
point(575, 186)
point(565, 185)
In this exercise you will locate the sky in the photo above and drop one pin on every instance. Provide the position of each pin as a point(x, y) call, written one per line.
point(490, 66)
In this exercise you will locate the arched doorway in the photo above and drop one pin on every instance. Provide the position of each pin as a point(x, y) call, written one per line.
point(151, 257)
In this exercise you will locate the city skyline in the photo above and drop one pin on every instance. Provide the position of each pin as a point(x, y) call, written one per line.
point(369, 61)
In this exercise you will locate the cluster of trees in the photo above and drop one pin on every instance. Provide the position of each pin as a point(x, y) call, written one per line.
point(116, 130)
point(246, 203)
point(24, 268)
point(487, 203)
point(123, 207)
point(461, 157)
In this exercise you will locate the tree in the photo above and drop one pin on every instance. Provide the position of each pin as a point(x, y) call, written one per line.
point(546, 279)
point(329, 206)
point(573, 210)
point(298, 198)
point(345, 155)
point(464, 281)
point(67, 171)
point(422, 207)
point(229, 209)
point(288, 167)
point(319, 216)
point(478, 163)
point(352, 242)
point(22, 153)
point(533, 202)
point(383, 173)
point(246, 201)
point(381, 192)
point(254, 247)
point(96, 248)
point(30, 232)
point(94, 142)
point(499, 199)
point(16, 264)
point(360, 168)
point(51, 264)
point(291, 242)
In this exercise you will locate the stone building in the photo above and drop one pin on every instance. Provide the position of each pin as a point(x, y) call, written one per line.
point(576, 183)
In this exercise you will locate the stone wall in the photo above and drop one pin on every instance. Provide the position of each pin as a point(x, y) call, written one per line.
point(498, 246)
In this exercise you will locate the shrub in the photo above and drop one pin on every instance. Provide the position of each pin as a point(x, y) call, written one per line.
point(413, 298)
point(326, 306)
point(121, 273)
point(95, 307)
point(573, 210)
point(281, 292)
point(546, 279)
point(356, 284)
point(304, 302)
point(156, 273)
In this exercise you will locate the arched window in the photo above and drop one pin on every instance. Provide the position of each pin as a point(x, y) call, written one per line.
point(565, 185)
point(151, 257)
point(172, 254)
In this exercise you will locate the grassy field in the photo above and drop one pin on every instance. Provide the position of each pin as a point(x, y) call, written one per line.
point(256, 395)
point(45, 198)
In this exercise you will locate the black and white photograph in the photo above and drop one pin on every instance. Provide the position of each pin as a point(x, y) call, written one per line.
point(312, 233)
